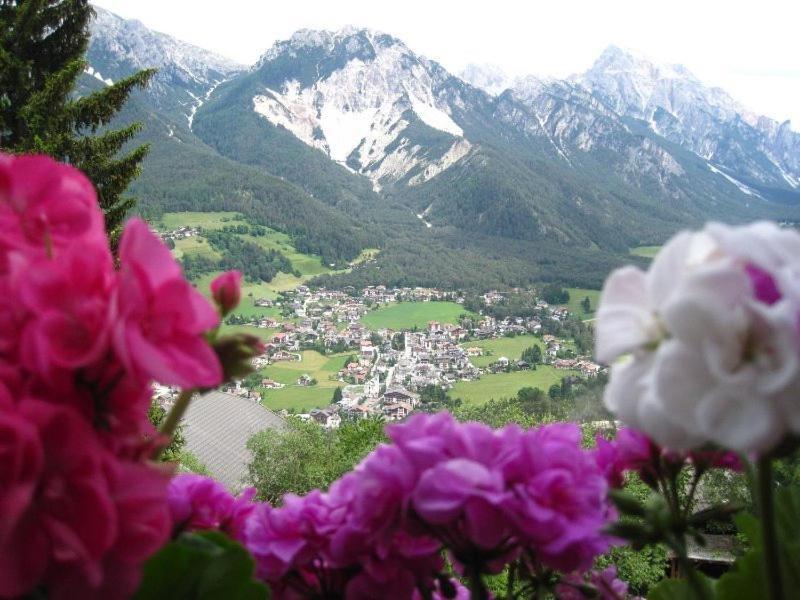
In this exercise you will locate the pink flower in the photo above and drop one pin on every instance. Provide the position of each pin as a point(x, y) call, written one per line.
point(765, 288)
point(610, 461)
point(161, 319)
point(559, 502)
point(70, 522)
point(45, 206)
point(21, 463)
point(464, 499)
point(144, 525)
point(197, 502)
point(227, 291)
point(68, 302)
point(605, 584)
point(717, 459)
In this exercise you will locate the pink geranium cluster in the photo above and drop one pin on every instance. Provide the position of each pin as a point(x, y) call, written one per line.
point(631, 450)
point(486, 497)
point(199, 503)
point(80, 343)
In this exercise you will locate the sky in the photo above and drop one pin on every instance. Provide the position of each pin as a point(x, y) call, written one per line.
point(749, 48)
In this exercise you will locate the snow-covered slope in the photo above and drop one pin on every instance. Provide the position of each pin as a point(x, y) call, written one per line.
point(363, 104)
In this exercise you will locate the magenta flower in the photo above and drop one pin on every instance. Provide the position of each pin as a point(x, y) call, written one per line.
point(559, 502)
point(21, 463)
point(69, 308)
point(226, 290)
point(161, 318)
point(198, 503)
point(70, 521)
point(45, 206)
point(605, 583)
point(765, 289)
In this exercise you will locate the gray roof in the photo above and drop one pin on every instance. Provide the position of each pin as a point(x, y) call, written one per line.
point(217, 427)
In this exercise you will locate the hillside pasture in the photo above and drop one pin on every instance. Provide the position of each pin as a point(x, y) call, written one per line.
point(510, 347)
point(407, 315)
point(506, 385)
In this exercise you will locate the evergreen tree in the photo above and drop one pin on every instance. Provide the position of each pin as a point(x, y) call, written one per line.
point(337, 395)
point(42, 47)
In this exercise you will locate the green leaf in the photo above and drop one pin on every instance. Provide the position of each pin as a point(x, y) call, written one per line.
point(627, 503)
point(682, 589)
point(201, 566)
point(745, 580)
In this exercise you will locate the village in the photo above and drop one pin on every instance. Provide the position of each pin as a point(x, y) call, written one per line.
point(387, 369)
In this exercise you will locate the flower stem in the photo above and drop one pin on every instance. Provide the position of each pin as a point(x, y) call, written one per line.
point(766, 507)
point(175, 415)
point(477, 589)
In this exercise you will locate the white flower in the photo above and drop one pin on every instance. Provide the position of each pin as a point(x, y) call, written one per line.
point(705, 359)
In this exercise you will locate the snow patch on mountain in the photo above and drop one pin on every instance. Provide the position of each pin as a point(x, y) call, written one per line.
point(356, 112)
point(96, 74)
point(742, 187)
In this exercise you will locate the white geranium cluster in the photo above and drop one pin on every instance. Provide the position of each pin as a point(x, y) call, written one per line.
point(704, 345)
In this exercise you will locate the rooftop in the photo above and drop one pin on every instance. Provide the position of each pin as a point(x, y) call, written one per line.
point(217, 427)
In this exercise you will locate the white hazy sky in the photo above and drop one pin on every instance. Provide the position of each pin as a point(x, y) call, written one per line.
point(750, 48)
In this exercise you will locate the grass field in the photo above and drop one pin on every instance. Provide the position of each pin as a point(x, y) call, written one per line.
point(298, 397)
point(407, 315)
point(509, 347)
point(308, 265)
point(206, 220)
point(506, 385)
point(646, 251)
point(264, 334)
point(576, 296)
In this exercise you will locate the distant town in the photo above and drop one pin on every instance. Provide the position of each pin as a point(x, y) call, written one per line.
point(387, 369)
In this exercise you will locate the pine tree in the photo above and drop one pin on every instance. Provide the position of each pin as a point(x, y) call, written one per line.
point(42, 48)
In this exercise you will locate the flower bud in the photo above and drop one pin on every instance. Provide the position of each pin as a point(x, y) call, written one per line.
point(236, 352)
point(227, 291)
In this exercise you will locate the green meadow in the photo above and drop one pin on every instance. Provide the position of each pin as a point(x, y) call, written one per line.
point(303, 398)
point(510, 347)
point(407, 315)
point(506, 385)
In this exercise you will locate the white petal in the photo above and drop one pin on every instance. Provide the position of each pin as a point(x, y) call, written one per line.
point(626, 387)
point(624, 321)
point(737, 419)
point(680, 379)
point(668, 268)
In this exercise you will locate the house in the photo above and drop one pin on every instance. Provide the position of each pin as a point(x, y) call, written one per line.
point(328, 418)
point(474, 351)
point(502, 361)
point(270, 384)
point(305, 379)
point(396, 395)
point(281, 355)
point(397, 411)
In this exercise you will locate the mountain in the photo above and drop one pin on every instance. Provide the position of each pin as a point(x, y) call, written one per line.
point(349, 139)
point(186, 73)
point(753, 149)
point(181, 171)
point(490, 78)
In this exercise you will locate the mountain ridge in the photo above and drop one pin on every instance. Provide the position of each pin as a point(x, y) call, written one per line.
point(397, 153)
